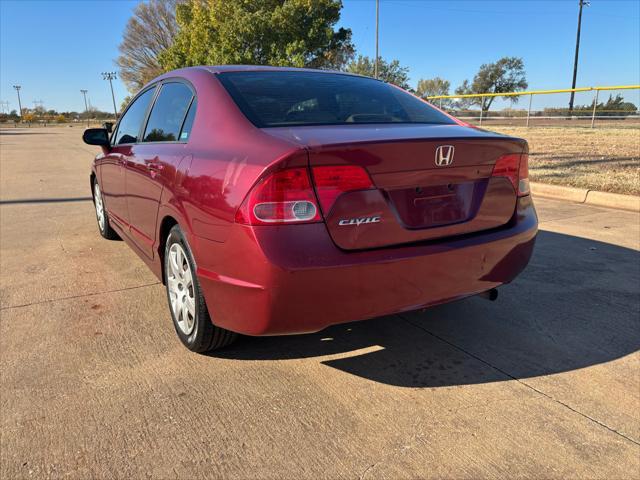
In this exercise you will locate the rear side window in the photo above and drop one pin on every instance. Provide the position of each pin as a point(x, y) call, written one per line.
point(131, 122)
point(188, 121)
point(168, 113)
point(289, 98)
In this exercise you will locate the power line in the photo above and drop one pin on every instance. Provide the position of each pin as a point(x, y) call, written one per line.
point(528, 12)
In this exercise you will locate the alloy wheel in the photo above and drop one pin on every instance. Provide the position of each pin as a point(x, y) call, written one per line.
point(181, 289)
point(97, 196)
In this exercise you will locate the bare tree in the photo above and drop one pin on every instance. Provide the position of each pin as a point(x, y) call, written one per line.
point(150, 31)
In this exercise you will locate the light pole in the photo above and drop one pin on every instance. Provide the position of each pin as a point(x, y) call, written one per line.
point(375, 65)
point(575, 60)
point(86, 110)
point(111, 76)
point(18, 87)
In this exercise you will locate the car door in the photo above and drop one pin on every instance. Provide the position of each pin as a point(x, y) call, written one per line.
point(155, 159)
point(113, 166)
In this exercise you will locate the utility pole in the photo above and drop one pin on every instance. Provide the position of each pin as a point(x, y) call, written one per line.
point(375, 65)
point(581, 3)
point(4, 105)
point(86, 110)
point(18, 87)
point(111, 76)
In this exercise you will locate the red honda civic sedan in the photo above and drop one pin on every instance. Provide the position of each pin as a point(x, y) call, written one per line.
point(279, 200)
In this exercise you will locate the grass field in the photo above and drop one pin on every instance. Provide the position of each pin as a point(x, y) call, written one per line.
point(606, 159)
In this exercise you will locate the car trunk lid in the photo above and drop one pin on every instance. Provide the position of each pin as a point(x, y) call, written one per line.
point(430, 181)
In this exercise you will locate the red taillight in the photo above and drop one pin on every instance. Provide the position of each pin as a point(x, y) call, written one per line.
point(332, 181)
point(281, 197)
point(515, 167)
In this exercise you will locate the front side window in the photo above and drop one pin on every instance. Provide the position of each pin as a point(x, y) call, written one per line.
point(290, 98)
point(168, 113)
point(129, 126)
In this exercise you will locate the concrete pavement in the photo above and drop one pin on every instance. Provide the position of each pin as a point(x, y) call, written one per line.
point(543, 383)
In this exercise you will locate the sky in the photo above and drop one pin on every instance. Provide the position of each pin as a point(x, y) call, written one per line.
point(53, 49)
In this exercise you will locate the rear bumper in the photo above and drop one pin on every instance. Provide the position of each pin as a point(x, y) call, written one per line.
point(293, 279)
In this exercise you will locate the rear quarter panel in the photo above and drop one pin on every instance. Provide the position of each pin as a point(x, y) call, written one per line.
point(226, 155)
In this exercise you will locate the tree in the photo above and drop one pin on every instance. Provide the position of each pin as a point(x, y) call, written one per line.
point(616, 106)
point(338, 54)
point(505, 75)
point(294, 33)
point(125, 103)
point(432, 87)
point(150, 31)
point(390, 72)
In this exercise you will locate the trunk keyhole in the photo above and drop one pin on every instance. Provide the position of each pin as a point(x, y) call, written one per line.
point(450, 187)
point(418, 190)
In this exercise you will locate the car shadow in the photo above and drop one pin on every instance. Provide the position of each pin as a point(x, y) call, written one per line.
point(576, 305)
point(25, 201)
point(18, 132)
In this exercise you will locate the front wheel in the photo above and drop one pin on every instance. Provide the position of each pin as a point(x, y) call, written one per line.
point(101, 214)
point(188, 309)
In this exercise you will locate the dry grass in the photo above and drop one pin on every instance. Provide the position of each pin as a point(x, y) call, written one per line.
point(605, 159)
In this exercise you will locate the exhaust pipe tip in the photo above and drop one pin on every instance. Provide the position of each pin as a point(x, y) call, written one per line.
point(491, 295)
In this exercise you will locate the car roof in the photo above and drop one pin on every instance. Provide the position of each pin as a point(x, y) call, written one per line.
point(267, 68)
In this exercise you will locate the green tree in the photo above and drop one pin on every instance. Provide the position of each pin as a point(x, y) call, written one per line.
point(505, 75)
point(430, 87)
point(390, 72)
point(294, 33)
point(149, 31)
point(617, 106)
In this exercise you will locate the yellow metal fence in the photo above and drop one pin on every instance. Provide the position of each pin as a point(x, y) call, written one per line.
point(461, 106)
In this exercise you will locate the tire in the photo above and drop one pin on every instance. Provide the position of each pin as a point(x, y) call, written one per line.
point(101, 214)
point(187, 306)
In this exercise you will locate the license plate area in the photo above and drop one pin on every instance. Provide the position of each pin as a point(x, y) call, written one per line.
point(433, 206)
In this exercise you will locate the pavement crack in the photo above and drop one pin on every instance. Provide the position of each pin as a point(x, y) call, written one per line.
point(520, 381)
point(366, 470)
point(71, 297)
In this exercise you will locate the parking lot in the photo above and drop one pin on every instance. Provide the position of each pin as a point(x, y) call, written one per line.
point(544, 382)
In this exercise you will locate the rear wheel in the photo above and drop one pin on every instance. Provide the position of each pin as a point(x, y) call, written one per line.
point(101, 214)
point(188, 309)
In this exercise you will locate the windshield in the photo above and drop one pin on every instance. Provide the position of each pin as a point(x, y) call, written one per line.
point(289, 98)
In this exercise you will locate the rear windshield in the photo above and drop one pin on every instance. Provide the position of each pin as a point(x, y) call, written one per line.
point(281, 98)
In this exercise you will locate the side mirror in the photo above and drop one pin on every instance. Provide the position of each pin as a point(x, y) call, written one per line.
point(96, 136)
